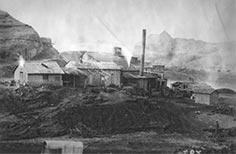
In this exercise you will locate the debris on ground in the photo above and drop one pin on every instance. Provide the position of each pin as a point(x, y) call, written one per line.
point(48, 112)
point(222, 108)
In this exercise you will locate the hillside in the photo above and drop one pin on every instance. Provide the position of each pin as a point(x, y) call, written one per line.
point(18, 38)
point(213, 63)
point(189, 53)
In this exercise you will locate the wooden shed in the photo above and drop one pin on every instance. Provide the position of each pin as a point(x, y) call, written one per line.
point(99, 73)
point(36, 73)
point(204, 96)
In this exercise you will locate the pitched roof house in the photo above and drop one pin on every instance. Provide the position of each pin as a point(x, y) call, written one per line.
point(98, 73)
point(38, 72)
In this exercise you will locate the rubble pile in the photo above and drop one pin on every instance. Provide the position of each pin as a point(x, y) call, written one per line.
point(222, 108)
point(50, 112)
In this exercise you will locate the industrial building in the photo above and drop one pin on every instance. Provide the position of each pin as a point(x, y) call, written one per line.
point(36, 73)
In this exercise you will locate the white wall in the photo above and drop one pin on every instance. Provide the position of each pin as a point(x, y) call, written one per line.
point(202, 98)
point(17, 77)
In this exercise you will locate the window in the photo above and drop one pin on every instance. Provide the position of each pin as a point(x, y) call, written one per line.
point(21, 75)
point(45, 77)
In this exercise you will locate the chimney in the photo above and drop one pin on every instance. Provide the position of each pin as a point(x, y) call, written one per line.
point(118, 51)
point(143, 53)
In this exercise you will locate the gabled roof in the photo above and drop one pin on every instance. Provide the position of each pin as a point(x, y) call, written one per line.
point(42, 67)
point(202, 88)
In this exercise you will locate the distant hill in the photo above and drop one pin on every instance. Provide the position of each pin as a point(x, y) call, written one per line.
point(213, 63)
point(189, 53)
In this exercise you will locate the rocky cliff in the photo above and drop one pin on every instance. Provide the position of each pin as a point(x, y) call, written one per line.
point(19, 38)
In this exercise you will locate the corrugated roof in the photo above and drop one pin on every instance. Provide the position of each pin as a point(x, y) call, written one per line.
point(43, 67)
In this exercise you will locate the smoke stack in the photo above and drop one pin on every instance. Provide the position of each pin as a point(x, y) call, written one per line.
point(143, 53)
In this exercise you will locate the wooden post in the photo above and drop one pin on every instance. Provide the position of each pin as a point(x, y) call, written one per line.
point(143, 53)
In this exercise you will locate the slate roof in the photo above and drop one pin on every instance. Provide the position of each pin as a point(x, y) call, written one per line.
point(42, 67)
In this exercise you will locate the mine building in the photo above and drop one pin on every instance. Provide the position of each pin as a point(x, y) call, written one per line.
point(201, 93)
point(116, 56)
point(144, 75)
point(92, 74)
point(204, 96)
point(223, 93)
point(36, 73)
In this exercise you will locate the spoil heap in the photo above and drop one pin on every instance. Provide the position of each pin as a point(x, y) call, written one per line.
point(51, 111)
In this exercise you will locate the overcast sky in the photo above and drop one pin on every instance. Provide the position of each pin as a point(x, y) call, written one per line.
point(73, 23)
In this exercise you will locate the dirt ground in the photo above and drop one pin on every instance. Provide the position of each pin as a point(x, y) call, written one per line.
point(113, 121)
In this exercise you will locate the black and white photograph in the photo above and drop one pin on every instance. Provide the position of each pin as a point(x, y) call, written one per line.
point(118, 76)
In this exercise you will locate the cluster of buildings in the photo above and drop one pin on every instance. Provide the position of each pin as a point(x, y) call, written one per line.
point(203, 93)
point(86, 68)
point(91, 69)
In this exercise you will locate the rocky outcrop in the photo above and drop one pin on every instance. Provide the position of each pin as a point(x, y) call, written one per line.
point(17, 38)
point(47, 50)
point(188, 53)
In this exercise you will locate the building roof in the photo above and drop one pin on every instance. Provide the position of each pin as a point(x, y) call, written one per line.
point(201, 88)
point(42, 67)
point(74, 71)
point(225, 91)
point(72, 55)
point(134, 76)
point(101, 56)
point(108, 57)
point(60, 61)
point(195, 87)
point(94, 65)
point(108, 65)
